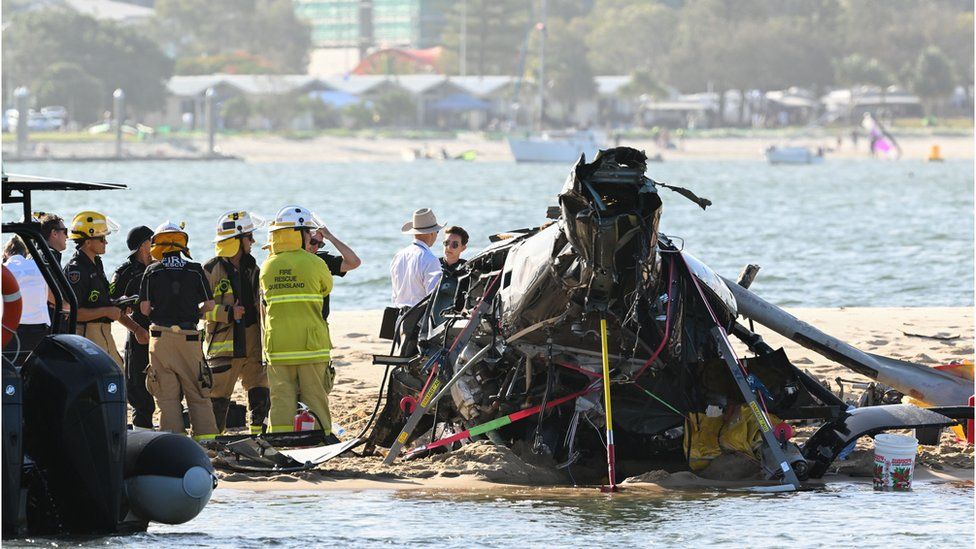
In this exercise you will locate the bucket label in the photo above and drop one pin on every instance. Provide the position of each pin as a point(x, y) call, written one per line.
point(893, 473)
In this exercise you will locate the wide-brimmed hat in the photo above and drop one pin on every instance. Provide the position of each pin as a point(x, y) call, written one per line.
point(424, 222)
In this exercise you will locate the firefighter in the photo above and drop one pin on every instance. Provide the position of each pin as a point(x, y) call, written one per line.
point(125, 283)
point(85, 274)
point(232, 341)
point(174, 294)
point(297, 346)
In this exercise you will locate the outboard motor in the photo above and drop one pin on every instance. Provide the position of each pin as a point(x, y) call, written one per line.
point(13, 452)
point(75, 433)
point(168, 477)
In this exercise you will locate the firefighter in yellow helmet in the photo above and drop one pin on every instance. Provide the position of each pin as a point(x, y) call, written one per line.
point(232, 341)
point(297, 346)
point(89, 230)
point(174, 294)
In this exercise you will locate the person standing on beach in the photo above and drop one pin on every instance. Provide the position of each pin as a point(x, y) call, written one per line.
point(297, 346)
point(125, 283)
point(232, 340)
point(174, 294)
point(455, 242)
point(415, 271)
point(338, 265)
point(86, 276)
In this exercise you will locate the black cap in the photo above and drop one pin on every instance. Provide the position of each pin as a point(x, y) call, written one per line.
point(137, 236)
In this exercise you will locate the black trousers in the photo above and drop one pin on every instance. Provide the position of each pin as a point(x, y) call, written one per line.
point(136, 362)
point(28, 336)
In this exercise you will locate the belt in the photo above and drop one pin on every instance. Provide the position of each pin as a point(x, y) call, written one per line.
point(189, 337)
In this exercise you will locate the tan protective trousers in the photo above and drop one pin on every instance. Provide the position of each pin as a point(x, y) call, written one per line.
point(310, 383)
point(249, 369)
point(100, 333)
point(175, 364)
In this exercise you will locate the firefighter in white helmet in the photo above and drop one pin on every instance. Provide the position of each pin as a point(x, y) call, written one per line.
point(232, 337)
point(297, 346)
point(174, 294)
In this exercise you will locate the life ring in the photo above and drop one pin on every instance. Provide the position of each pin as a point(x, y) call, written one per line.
point(12, 305)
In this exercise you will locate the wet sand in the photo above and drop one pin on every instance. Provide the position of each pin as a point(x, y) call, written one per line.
point(482, 466)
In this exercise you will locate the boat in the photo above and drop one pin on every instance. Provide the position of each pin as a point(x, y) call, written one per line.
point(794, 155)
point(565, 147)
point(70, 464)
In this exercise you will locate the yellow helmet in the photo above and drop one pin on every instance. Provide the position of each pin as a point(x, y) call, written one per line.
point(169, 237)
point(90, 224)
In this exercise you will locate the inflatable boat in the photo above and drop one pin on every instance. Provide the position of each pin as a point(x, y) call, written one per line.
point(70, 464)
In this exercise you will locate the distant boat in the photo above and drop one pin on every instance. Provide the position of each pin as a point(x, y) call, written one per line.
point(794, 155)
point(563, 147)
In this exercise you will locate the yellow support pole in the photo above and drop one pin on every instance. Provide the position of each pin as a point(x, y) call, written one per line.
point(611, 458)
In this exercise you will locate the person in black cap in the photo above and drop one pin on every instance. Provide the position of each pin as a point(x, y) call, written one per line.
point(125, 283)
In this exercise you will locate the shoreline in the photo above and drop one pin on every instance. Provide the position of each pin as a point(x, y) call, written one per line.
point(328, 148)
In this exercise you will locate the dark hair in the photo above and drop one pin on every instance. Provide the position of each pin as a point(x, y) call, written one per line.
point(455, 230)
point(49, 222)
point(15, 246)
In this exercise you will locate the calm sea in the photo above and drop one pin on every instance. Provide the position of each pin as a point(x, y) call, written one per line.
point(843, 233)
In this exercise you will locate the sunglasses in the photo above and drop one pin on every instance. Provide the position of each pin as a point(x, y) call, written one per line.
point(61, 230)
point(452, 244)
point(315, 242)
point(99, 239)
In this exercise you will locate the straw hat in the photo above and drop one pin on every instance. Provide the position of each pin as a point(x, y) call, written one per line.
point(424, 222)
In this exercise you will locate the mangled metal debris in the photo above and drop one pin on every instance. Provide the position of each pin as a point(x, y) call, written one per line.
point(511, 351)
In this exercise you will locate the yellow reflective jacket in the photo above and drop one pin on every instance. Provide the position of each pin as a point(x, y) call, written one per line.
point(293, 285)
point(219, 329)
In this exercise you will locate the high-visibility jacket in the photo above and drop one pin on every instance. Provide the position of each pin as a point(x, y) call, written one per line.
point(293, 285)
point(220, 327)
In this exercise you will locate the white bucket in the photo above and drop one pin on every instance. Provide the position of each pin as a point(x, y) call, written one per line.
point(894, 462)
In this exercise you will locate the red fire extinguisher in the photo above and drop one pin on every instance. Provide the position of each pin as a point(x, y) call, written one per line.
point(304, 421)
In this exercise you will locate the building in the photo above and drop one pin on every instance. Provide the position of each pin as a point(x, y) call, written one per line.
point(368, 24)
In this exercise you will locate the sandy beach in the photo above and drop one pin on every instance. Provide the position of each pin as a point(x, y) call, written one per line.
point(482, 466)
point(326, 148)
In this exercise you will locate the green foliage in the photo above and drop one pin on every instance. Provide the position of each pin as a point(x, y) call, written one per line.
point(115, 56)
point(855, 70)
point(626, 37)
point(67, 84)
point(933, 76)
point(235, 112)
point(395, 107)
point(496, 30)
point(240, 62)
point(569, 78)
point(642, 82)
point(323, 116)
point(357, 116)
point(263, 29)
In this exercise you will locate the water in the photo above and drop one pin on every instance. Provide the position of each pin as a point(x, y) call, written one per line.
point(843, 233)
point(839, 515)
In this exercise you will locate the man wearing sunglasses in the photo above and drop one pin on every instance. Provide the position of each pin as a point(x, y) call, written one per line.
point(339, 265)
point(85, 274)
point(455, 242)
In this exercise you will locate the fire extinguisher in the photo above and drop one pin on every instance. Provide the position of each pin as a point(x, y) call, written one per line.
point(304, 421)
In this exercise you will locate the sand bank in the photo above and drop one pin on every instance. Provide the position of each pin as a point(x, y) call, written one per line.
point(482, 466)
point(326, 148)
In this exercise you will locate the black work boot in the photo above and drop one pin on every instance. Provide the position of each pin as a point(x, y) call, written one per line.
point(220, 406)
point(258, 404)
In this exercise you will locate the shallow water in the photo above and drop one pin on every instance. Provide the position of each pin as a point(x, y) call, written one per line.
point(843, 233)
point(845, 514)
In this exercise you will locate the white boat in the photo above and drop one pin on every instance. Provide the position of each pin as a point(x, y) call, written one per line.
point(555, 146)
point(793, 155)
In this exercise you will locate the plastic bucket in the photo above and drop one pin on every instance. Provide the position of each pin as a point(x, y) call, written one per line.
point(894, 462)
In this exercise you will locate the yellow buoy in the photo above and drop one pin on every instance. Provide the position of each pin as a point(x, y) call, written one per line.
point(935, 154)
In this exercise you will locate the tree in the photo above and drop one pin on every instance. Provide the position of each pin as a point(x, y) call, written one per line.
point(235, 112)
point(624, 38)
point(642, 82)
point(115, 56)
point(496, 33)
point(934, 78)
point(395, 107)
point(67, 84)
point(265, 29)
point(569, 77)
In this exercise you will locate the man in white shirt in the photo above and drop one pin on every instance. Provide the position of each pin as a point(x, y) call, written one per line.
point(35, 320)
point(415, 271)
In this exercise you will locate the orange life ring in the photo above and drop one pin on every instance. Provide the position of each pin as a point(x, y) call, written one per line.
point(12, 305)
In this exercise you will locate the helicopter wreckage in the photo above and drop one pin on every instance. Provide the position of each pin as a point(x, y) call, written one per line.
point(597, 343)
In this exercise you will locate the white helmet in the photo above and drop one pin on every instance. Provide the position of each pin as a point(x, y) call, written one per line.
point(170, 227)
point(295, 217)
point(237, 223)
